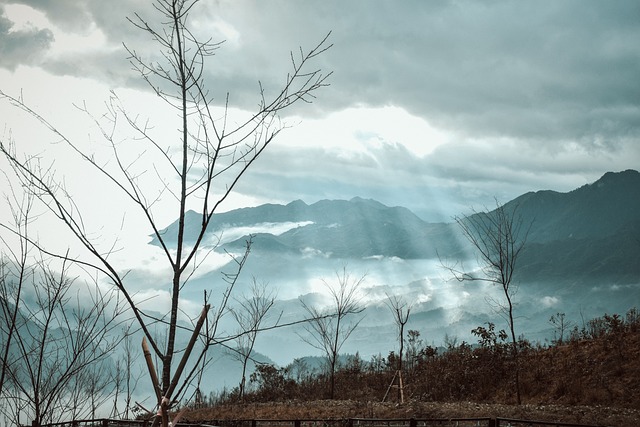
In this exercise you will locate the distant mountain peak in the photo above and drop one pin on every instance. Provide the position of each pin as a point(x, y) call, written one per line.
point(369, 202)
point(626, 177)
point(624, 173)
point(297, 203)
point(358, 199)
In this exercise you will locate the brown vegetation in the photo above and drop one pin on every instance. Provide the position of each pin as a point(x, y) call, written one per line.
point(591, 377)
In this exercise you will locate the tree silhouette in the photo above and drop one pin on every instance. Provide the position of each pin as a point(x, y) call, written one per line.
point(498, 238)
point(328, 328)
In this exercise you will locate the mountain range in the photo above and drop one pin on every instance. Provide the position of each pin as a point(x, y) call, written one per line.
point(582, 258)
point(591, 233)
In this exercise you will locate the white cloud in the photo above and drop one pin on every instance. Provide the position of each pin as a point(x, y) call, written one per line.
point(309, 252)
point(423, 298)
point(229, 234)
point(365, 130)
point(550, 301)
point(25, 17)
point(415, 113)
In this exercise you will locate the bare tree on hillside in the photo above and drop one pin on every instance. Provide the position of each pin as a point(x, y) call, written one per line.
point(498, 238)
point(250, 314)
point(561, 325)
point(400, 309)
point(199, 167)
point(328, 328)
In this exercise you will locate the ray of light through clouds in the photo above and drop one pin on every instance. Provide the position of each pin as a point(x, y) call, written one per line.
point(436, 106)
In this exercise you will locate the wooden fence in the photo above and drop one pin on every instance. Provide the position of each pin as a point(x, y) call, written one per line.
point(350, 422)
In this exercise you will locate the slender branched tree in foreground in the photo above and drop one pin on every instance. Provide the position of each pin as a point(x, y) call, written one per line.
point(328, 327)
point(400, 309)
point(498, 238)
point(196, 168)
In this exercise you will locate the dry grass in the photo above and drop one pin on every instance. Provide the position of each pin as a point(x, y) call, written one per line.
point(593, 379)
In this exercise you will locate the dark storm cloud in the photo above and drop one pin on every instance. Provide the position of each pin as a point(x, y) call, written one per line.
point(562, 71)
point(79, 16)
point(546, 73)
point(21, 46)
point(106, 63)
point(542, 72)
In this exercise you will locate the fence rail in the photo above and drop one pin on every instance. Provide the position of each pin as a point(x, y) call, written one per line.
point(511, 422)
point(349, 422)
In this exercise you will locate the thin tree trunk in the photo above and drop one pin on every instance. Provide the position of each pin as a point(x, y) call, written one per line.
point(514, 342)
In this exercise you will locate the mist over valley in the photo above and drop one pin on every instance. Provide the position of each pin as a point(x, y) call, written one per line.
point(582, 258)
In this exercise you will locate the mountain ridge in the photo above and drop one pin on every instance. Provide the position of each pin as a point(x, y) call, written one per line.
point(572, 234)
point(610, 202)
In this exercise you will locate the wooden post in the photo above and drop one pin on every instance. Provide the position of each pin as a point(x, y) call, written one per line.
point(152, 370)
point(393, 380)
point(187, 352)
point(400, 386)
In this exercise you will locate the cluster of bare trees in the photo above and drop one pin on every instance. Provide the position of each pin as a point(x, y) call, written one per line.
point(56, 335)
point(198, 169)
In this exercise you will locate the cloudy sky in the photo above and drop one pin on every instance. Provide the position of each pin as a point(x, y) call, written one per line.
point(437, 106)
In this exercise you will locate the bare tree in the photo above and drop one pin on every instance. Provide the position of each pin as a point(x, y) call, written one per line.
point(91, 388)
point(249, 314)
point(400, 310)
point(498, 238)
point(561, 325)
point(125, 377)
point(198, 169)
point(63, 335)
point(328, 328)
point(415, 349)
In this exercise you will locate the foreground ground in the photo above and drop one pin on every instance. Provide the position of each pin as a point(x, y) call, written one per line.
point(592, 377)
point(326, 409)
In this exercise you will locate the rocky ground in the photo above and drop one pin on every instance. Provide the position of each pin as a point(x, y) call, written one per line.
point(326, 409)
